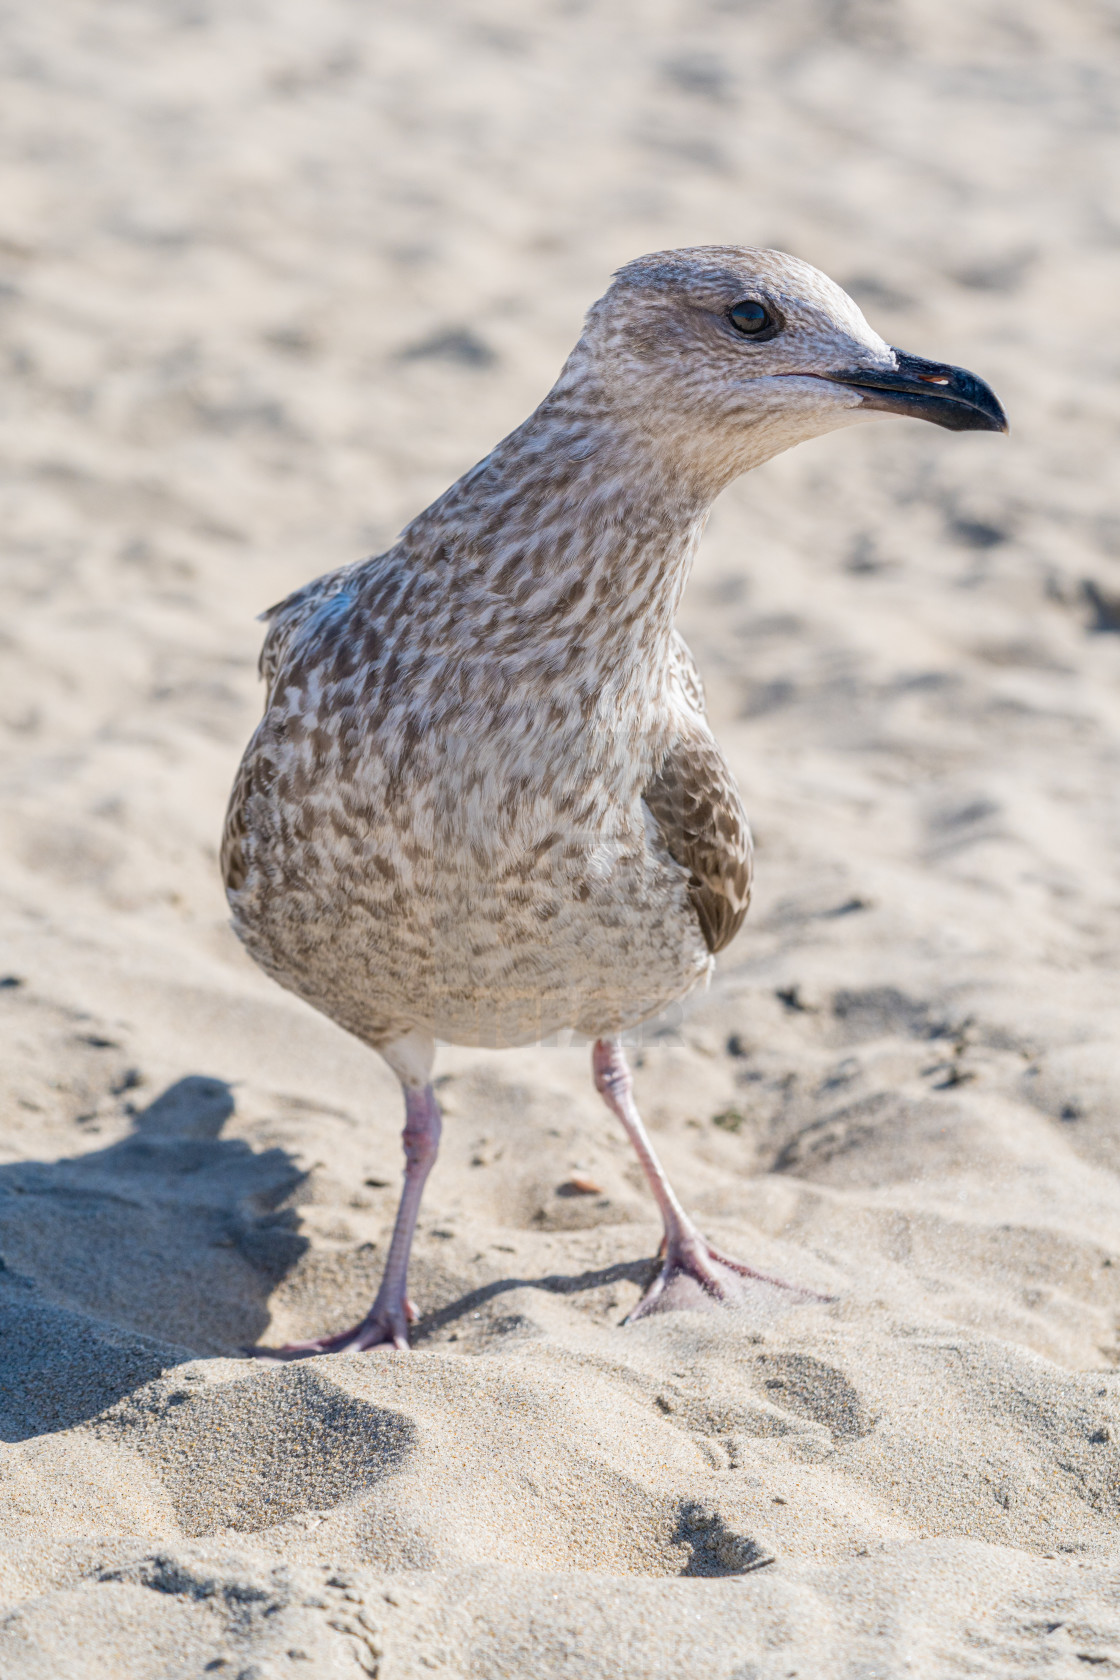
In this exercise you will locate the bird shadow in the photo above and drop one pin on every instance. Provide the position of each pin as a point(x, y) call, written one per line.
point(165, 1246)
point(641, 1272)
point(117, 1263)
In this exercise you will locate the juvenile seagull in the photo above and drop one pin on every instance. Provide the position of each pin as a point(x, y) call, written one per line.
point(484, 802)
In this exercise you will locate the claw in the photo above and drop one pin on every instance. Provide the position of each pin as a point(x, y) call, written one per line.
point(697, 1276)
point(382, 1328)
point(693, 1274)
point(386, 1324)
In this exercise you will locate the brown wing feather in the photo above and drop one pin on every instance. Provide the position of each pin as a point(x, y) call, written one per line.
point(284, 621)
point(697, 809)
point(234, 865)
point(289, 616)
point(253, 775)
point(696, 806)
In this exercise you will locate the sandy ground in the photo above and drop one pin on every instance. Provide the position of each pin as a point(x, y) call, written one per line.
point(271, 275)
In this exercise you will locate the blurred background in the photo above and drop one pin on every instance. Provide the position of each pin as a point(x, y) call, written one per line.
point(274, 272)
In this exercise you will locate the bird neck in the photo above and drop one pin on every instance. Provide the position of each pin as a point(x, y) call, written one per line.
point(577, 532)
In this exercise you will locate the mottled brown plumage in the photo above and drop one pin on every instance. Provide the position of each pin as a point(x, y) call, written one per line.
point(699, 815)
point(484, 803)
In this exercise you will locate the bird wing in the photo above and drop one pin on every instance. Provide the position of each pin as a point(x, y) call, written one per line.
point(697, 810)
point(285, 621)
point(287, 618)
point(235, 830)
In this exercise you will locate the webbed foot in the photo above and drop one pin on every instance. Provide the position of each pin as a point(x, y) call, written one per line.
point(385, 1325)
point(694, 1275)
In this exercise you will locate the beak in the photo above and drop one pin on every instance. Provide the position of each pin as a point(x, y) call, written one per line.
point(949, 396)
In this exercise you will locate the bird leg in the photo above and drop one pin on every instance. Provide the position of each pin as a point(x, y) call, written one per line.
point(392, 1312)
point(693, 1273)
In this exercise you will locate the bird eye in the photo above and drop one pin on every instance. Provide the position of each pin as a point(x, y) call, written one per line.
point(750, 317)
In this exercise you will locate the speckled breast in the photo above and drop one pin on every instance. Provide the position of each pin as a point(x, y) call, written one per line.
point(388, 924)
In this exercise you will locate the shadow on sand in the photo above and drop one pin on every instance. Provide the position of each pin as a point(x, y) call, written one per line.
point(641, 1272)
point(117, 1263)
point(164, 1247)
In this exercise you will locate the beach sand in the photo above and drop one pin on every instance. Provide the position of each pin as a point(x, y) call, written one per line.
point(271, 276)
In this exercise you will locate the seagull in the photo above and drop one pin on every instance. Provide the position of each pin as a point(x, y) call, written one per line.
point(485, 804)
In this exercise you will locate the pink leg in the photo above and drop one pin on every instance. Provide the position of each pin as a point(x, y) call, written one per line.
point(388, 1319)
point(694, 1274)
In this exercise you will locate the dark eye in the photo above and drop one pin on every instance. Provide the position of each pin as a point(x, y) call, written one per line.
point(750, 317)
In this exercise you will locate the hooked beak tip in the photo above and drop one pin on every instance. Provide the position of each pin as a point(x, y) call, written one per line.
point(948, 396)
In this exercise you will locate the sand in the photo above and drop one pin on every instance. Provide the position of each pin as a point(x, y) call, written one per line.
point(271, 275)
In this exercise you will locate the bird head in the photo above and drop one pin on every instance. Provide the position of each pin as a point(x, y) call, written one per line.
point(724, 356)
